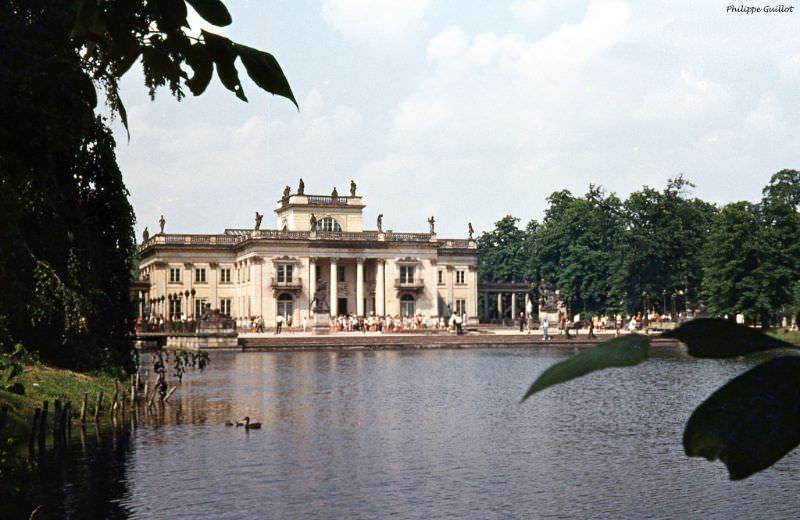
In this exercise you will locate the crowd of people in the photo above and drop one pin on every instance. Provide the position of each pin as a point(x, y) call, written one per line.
point(352, 323)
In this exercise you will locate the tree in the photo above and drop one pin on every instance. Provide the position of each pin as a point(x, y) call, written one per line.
point(501, 252)
point(67, 228)
point(575, 246)
point(662, 244)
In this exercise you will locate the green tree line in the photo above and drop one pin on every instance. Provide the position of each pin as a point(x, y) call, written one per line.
point(661, 250)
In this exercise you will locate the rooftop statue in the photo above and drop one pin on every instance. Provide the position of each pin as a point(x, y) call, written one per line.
point(431, 222)
point(313, 222)
point(286, 191)
point(380, 223)
point(352, 188)
point(259, 216)
point(145, 235)
point(469, 228)
point(334, 193)
point(301, 188)
point(161, 223)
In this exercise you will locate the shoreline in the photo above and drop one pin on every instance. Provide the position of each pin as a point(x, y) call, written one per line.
point(271, 342)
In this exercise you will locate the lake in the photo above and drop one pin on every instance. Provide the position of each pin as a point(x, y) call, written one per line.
point(423, 434)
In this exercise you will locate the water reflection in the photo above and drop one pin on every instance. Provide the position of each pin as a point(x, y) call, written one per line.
point(435, 434)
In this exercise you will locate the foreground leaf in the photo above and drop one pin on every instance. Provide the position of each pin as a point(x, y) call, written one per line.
point(750, 423)
point(263, 69)
point(718, 338)
point(212, 11)
point(619, 352)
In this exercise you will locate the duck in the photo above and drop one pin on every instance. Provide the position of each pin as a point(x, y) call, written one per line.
point(251, 425)
point(228, 423)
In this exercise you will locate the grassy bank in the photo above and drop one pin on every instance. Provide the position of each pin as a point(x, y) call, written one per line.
point(47, 384)
point(785, 335)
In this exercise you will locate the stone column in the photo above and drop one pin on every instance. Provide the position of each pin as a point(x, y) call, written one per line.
point(334, 291)
point(380, 300)
point(188, 280)
point(213, 282)
point(312, 280)
point(513, 306)
point(500, 305)
point(257, 282)
point(451, 275)
point(359, 286)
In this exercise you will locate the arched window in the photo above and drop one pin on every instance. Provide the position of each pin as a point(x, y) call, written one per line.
point(407, 307)
point(328, 224)
point(285, 304)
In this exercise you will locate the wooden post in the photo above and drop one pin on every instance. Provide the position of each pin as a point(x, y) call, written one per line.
point(32, 439)
point(56, 417)
point(83, 407)
point(43, 422)
point(97, 404)
point(113, 409)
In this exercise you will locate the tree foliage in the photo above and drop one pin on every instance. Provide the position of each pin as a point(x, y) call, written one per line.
point(67, 229)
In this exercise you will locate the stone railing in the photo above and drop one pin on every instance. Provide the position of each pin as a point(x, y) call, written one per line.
point(294, 283)
point(203, 240)
point(417, 283)
point(457, 244)
point(327, 200)
point(408, 237)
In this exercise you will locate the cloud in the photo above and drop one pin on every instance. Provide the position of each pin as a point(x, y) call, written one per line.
point(374, 20)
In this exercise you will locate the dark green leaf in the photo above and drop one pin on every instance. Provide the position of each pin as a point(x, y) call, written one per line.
point(625, 351)
point(718, 338)
point(200, 62)
point(173, 14)
point(222, 52)
point(212, 11)
point(752, 421)
point(265, 72)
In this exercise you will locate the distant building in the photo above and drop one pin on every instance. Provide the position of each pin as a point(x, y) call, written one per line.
point(319, 238)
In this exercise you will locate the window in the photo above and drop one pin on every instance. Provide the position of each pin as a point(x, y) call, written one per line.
point(407, 305)
point(328, 224)
point(461, 307)
point(284, 273)
point(406, 274)
point(225, 306)
point(199, 305)
point(460, 277)
point(225, 275)
point(340, 273)
point(285, 305)
point(174, 275)
point(175, 309)
point(440, 277)
point(200, 275)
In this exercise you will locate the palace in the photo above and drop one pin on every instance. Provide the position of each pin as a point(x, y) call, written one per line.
point(319, 239)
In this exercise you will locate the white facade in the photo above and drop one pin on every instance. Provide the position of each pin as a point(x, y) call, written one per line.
point(256, 272)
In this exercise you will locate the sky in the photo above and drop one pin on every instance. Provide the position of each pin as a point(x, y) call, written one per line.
point(470, 111)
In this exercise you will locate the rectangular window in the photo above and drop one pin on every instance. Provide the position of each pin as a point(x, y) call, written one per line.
point(460, 277)
point(406, 273)
point(200, 275)
point(284, 273)
point(174, 275)
point(340, 273)
point(225, 306)
point(461, 307)
point(175, 309)
point(440, 277)
point(225, 275)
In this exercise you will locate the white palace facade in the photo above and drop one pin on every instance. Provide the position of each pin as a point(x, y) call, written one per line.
point(319, 239)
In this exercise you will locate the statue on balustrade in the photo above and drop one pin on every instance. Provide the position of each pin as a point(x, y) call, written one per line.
point(286, 191)
point(145, 235)
point(301, 188)
point(380, 223)
point(259, 216)
point(352, 188)
point(319, 305)
point(431, 222)
point(313, 222)
point(469, 228)
point(334, 193)
point(161, 223)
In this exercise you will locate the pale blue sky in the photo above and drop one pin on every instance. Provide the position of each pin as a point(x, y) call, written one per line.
point(472, 110)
